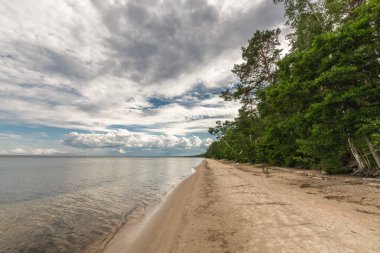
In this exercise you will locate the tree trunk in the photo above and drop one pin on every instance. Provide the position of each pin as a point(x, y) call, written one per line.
point(313, 11)
point(374, 153)
point(355, 3)
point(228, 145)
point(358, 159)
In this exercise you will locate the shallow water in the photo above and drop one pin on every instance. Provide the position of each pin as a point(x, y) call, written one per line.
point(65, 204)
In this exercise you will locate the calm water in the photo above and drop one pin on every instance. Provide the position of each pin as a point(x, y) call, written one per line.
point(62, 204)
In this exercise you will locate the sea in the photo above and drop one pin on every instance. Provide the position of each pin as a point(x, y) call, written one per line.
point(75, 204)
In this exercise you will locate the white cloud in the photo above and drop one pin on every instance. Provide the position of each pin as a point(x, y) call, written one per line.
point(18, 151)
point(9, 136)
point(32, 151)
point(123, 140)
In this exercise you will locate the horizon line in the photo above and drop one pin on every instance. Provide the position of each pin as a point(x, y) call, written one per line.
point(55, 155)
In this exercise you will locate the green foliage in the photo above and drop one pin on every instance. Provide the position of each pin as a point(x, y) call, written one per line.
point(305, 17)
point(258, 69)
point(324, 92)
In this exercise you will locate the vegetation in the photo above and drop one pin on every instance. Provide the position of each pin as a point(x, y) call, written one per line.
point(318, 106)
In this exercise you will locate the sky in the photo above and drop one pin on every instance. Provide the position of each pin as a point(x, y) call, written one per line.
point(120, 77)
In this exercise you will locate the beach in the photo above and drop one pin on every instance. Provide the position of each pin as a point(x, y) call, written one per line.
point(228, 207)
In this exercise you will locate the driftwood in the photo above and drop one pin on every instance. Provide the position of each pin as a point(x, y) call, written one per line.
point(363, 165)
point(374, 153)
point(360, 163)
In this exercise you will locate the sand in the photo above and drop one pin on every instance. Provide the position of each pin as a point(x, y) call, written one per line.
point(227, 207)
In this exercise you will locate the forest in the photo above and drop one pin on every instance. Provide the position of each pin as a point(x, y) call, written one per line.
point(318, 105)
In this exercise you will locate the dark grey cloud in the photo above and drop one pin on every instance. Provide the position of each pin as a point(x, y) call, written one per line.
point(154, 41)
point(48, 61)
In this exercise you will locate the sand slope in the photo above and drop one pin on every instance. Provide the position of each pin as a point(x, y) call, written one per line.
point(226, 207)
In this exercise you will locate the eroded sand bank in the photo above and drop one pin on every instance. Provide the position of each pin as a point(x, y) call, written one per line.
point(226, 207)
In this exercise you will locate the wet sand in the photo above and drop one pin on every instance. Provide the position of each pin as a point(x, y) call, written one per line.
point(227, 207)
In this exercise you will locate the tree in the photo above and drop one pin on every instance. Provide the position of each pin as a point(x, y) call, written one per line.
point(306, 20)
point(258, 69)
point(340, 72)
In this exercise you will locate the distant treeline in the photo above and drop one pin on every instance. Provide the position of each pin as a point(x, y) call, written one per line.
point(316, 107)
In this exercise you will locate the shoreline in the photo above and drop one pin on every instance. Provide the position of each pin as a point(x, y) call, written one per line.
point(227, 207)
point(137, 235)
point(136, 221)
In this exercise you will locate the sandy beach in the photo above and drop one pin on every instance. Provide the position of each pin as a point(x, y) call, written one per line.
point(228, 207)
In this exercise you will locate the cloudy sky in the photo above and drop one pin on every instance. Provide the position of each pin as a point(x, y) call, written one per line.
point(127, 77)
